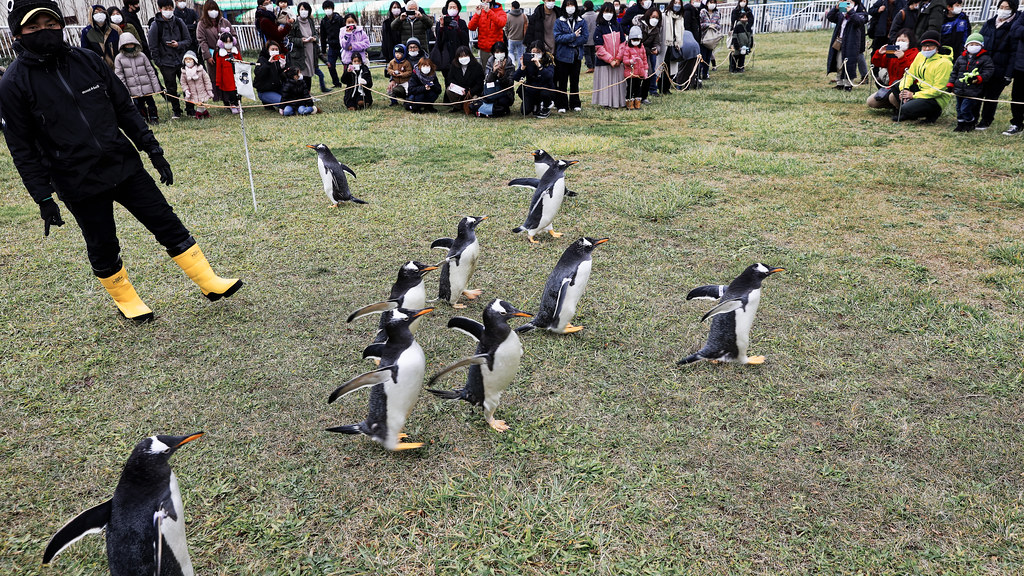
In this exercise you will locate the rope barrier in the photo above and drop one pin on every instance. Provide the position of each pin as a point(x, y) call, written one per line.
point(942, 90)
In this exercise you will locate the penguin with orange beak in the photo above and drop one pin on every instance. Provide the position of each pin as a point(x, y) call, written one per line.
point(564, 288)
point(408, 291)
point(145, 519)
point(732, 317)
point(542, 162)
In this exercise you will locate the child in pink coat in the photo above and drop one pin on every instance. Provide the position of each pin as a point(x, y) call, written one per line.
point(634, 67)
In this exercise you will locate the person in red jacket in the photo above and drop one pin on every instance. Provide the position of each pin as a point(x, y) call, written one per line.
point(895, 64)
point(489, 22)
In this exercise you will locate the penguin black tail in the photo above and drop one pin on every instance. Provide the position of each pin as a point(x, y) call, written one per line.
point(349, 429)
point(446, 394)
point(358, 201)
point(517, 229)
point(526, 328)
point(690, 359)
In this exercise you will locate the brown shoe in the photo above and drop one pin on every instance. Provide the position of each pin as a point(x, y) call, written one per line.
point(589, 71)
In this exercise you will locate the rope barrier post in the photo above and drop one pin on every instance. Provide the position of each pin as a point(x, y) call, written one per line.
point(248, 162)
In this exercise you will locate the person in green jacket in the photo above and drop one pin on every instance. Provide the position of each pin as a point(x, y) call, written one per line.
point(921, 89)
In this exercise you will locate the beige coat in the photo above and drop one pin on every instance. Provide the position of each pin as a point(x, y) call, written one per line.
point(135, 71)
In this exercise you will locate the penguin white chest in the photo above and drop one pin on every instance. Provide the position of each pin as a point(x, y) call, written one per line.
point(403, 392)
point(415, 298)
point(551, 205)
point(506, 364)
point(745, 319)
point(173, 531)
point(460, 273)
point(573, 292)
point(327, 179)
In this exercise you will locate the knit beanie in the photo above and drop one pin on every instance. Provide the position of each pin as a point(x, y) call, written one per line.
point(635, 33)
point(975, 38)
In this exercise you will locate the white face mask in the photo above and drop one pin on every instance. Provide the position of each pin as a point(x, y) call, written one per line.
point(695, 4)
point(607, 17)
point(303, 13)
point(743, 4)
point(414, 53)
point(973, 48)
point(300, 77)
point(549, 5)
point(958, 9)
point(929, 53)
point(634, 42)
point(181, 5)
point(1003, 14)
point(453, 12)
point(425, 69)
point(536, 57)
point(273, 53)
point(213, 13)
point(328, 12)
point(570, 10)
point(499, 57)
point(229, 45)
point(99, 18)
point(190, 64)
point(903, 46)
point(646, 4)
point(396, 11)
point(167, 14)
point(712, 6)
point(117, 18)
point(654, 22)
point(464, 60)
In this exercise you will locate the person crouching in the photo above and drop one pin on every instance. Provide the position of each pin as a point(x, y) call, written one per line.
point(357, 80)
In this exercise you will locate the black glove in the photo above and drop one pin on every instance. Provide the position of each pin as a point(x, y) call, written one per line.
point(163, 168)
point(50, 213)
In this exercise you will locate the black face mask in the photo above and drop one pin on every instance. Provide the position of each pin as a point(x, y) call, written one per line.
point(45, 42)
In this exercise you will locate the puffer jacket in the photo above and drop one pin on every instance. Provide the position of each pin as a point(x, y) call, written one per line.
point(196, 84)
point(999, 43)
point(161, 32)
point(934, 72)
point(569, 46)
point(135, 70)
point(930, 17)
point(405, 28)
point(71, 124)
point(608, 43)
point(634, 60)
point(102, 41)
point(895, 67)
point(1016, 62)
point(651, 38)
point(490, 27)
point(981, 63)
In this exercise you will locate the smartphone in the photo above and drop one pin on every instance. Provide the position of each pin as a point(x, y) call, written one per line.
point(843, 6)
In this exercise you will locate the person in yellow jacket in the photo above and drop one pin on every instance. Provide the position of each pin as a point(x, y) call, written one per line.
point(921, 89)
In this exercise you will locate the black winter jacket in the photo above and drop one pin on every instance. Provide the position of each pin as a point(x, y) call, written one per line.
point(880, 22)
point(981, 62)
point(999, 43)
point(294, 92)
point(535, 26)
point(930, 18)
point(269, 75)
point(905, 18)
point(472, 79)
point(691, 21)
point(191, 20)
point(450, 34)
point(330, 32)
point(133, 19)
point(71, 124)
point(350, 79)
point(163, 31)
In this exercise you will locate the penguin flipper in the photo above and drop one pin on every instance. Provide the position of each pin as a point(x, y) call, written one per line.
point(347, 169)
point(562, 290)
point(358, 201)
point(724, 307)
point(375, 377)
point(373, 351)
point(710, 292)
point(476, 359)
point(525, 182)
point(374, 308)
point(443, 243)
point(472, 328)
point(92, 521)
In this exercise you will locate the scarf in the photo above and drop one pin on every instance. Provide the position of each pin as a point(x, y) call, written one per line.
point(424, 78)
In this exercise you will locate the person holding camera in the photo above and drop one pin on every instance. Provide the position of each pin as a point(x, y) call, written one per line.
point(87, 153)
point(895, 59)
point(741, 44)
point(413, 23)
point(847, 46)
point(489, 23)
point(451, 33)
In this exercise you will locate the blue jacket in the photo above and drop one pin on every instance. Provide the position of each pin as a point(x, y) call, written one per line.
point(955, 32)
point(569, 46)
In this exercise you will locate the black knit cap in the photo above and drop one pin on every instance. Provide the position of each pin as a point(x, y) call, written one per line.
point(931, 36)
point(20, 11)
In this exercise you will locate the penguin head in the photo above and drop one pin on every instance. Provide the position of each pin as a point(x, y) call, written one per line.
point(505, 310)
point(761, 271)
point(319, 147)
point(153, 453)
point(469, 223)
point(587, 244)
point(541, 156)
point(414, 270)
point(563, 164)
point(404, 317)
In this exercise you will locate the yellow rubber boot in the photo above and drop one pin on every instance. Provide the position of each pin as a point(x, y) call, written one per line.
point(126, 298)
point(198, 269)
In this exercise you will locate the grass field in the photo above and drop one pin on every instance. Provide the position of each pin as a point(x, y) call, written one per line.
point(882, 436)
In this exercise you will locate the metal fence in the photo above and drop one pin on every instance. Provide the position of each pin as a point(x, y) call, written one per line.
point(770, 17)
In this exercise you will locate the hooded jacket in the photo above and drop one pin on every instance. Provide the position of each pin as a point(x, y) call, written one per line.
point(102, 41)
point(934, 72)
point(195, 82)
point(967, 62)
point(161, 32)
point(135, 70)
point(71, 124)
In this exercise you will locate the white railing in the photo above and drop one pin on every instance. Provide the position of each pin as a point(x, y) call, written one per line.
point(771, 17)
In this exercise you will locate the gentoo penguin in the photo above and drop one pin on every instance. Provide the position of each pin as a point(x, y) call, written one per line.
point(564, 288)
point(548, 193)
point(495, 363)
point(408, 291)
point(460, 262)
point(332, 173)
point(541, 162)
point(396, 384)
point(145, 520)
point(732, 317)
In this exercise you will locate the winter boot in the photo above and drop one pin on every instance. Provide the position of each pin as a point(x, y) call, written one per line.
point(127, 299)
point(197, 267)
point(959, 127)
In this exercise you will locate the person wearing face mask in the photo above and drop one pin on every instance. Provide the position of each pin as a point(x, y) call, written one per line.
point(710, 28)
point(268, 78)
point(388, 37)
point(424, 87)
point(672, 41)
point(133, 69)
point(197, 87)
point(211, 22)
point(925, 99)
point(100, 37)
point(499, 74)
point(273, 29)
point(190, 17)
point(131, 17)
point(691, 18)
point(635, 9)
point(742, 10)
point(999, 44)
point(116, 18)
point(398, 72)
point(227, 52)
point(880, 17)
point(634, 68)
point(570, 34)
point(451, 32)
point(1015, 74)
point(358, 81)
point(847, 44)
point(895, 65)
point(590, 18)
point(489, 23)
point(538, 69)
point(305, 50)
point(956, 27)
point(87, 153)
point(465, 80)
point(650, 24)
point(541, 25)
point(330, 34)
point(609, 90)
point(741, 44)
point(970, 72)
point(295, 94)
point(412, 23)
point(169, 40)
point(516, 23)
point(414, 51)
point(931, 15)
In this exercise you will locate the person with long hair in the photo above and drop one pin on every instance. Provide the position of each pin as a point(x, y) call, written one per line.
point(305, 47)
point(539, 72)
point(424, 87)
point(609, 88)
point(570, 36)
point(388, 37)
point(465, 80)
point(895, 65)
point(450, 33)
point(650, 23)
point(212, 24)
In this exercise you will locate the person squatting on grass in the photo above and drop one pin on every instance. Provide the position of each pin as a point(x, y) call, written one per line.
point(72, 130)
point(924, 99)
point(357, 81)
point(465, 80)
point(268, 78)
point(424, 87)
point(970, 71)
point(398, 72)
point(895, 63)
point(295, 96)
point(499, 74)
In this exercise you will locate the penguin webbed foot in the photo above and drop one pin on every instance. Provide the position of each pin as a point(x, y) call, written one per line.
point(570, 329)
point(755, 360)
point(533, 241)
point(498, 425)
point(472, 294)
point(408, 446)
point(555, 234)
point(459, 306)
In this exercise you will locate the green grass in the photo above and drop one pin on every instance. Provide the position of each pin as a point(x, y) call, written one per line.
point(883, 435)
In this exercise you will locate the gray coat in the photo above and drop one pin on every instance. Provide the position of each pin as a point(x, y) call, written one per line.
point(135, 71)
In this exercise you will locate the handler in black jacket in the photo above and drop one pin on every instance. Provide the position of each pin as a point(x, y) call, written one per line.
point(72, 129)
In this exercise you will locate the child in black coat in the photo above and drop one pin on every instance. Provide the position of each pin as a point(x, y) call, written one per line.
point(974, 67)
point(357, 81)
point(295, 95)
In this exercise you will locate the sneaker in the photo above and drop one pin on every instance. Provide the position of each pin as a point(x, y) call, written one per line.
point(577, 109)
point(541, 114)
point(644, 101)
point(176, 116)
point(234, 110)
point(1012, 130)
point(982, 127)
point(561, 110)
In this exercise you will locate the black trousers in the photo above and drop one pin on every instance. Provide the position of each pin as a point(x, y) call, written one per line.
point(567, 79)
point(139, 195)
point(170, 74)
point(924, 108)
point(1017, 95)
point(992, 89)
point(146, 107)
point(636, 88)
